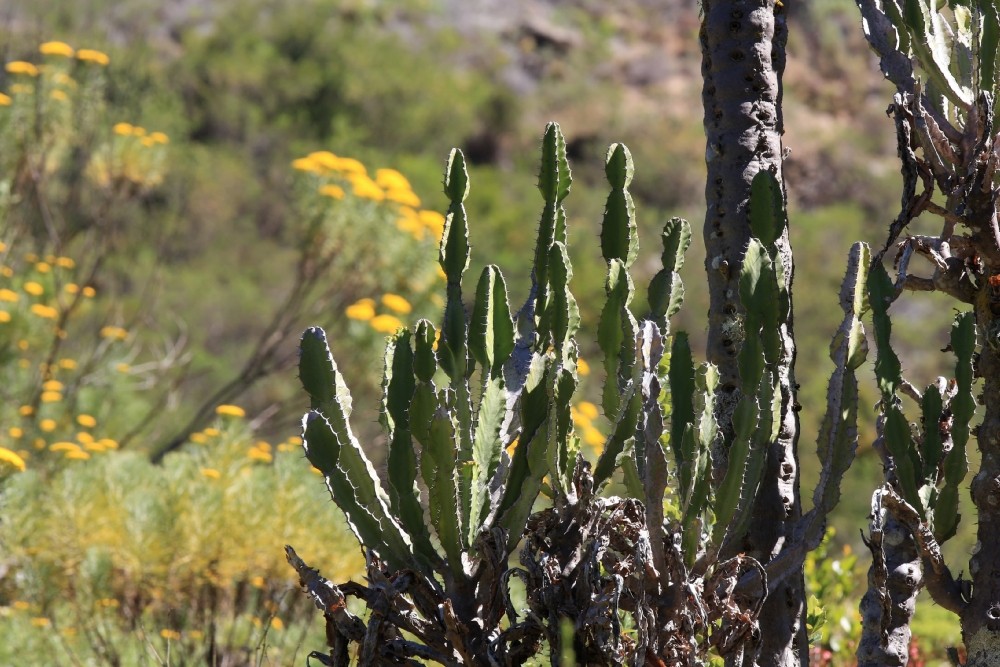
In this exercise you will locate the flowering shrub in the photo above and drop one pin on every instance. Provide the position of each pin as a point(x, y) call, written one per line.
point(112, 552)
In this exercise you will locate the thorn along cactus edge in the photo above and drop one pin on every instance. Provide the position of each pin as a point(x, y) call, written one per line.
point(479, 425)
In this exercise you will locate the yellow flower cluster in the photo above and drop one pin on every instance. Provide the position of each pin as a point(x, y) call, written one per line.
point(136, 156)
point(58, 49)
point(389, 185)
point(230, 411)
point(363, 310)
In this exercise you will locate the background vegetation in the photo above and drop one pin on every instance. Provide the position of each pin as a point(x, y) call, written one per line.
point(173, 218)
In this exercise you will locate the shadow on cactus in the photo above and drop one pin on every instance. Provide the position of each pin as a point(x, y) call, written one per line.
point(477, 417)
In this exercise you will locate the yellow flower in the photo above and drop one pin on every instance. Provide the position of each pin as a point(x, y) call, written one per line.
point(210, 473)
point(71, 288)
point(147, 142)
point(582, 367)
point(230, 411)
point(41, 622)
point(588, 409)
point(108, 602)
point(362, 309)
point(212, 432)
point(56, 49)
point(64, 447)
point(4, 100)
point(15, 432)
point(350, 166)
point(315, 470)
point(195, 634)
point(332, 191)
point(59, 95)
point(294, 440)
point(39, 443)
point(89, 292)
point(324, 159)
point(65, 262)
point(257, 454)
point(10, 461)
point(43, 267)
point(52, 385)
point(67, 364)
point(78, 455)
point(26, 411)
point(47, 425)
point(257, 582)
point(123, 367)
point(21, 605)
point(385, 324)
point(404, 197)
point(122, 129)
point(6, 271)
point(33, 288)
point(198, 438)
point(4, 316)
point(307, 164)
point(47, 312)
point(138, 131)
point(390, 179)
point(397, 303)
point(108, 443)
point(85, 439)
point(277, 624)
point(51, 396)
point(159, 138)
point(93, 56)
point(366, 188)
point(86, 421)
point(21, 67)
point(170, 634)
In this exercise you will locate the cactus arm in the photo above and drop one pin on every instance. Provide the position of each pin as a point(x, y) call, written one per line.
point(666, 291)
point(727, 496)
point(623, 429)
point(398, 387)
point(491, 332)
point(618, 233)
point(963, 408)
point(616, 335)
point(351, 480)
point(928, 44)
point(554, 182)
point(838, 435)
point(528, 464)
point(331, 447)
point(889, 39)
point(486, 451)
point(888, 372)
point(681, 380)
point(453, 352)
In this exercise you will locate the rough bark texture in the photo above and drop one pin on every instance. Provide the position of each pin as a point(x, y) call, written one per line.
point(894, 579)
point(743, 57)
point(981, 616)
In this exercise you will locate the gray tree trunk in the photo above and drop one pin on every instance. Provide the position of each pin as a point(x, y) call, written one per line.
point(743, 58)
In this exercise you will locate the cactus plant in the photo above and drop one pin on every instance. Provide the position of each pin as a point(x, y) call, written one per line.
point(945, 128)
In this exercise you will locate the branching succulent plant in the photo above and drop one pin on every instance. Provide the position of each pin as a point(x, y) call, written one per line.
point(483, 419)
point(946, 140)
